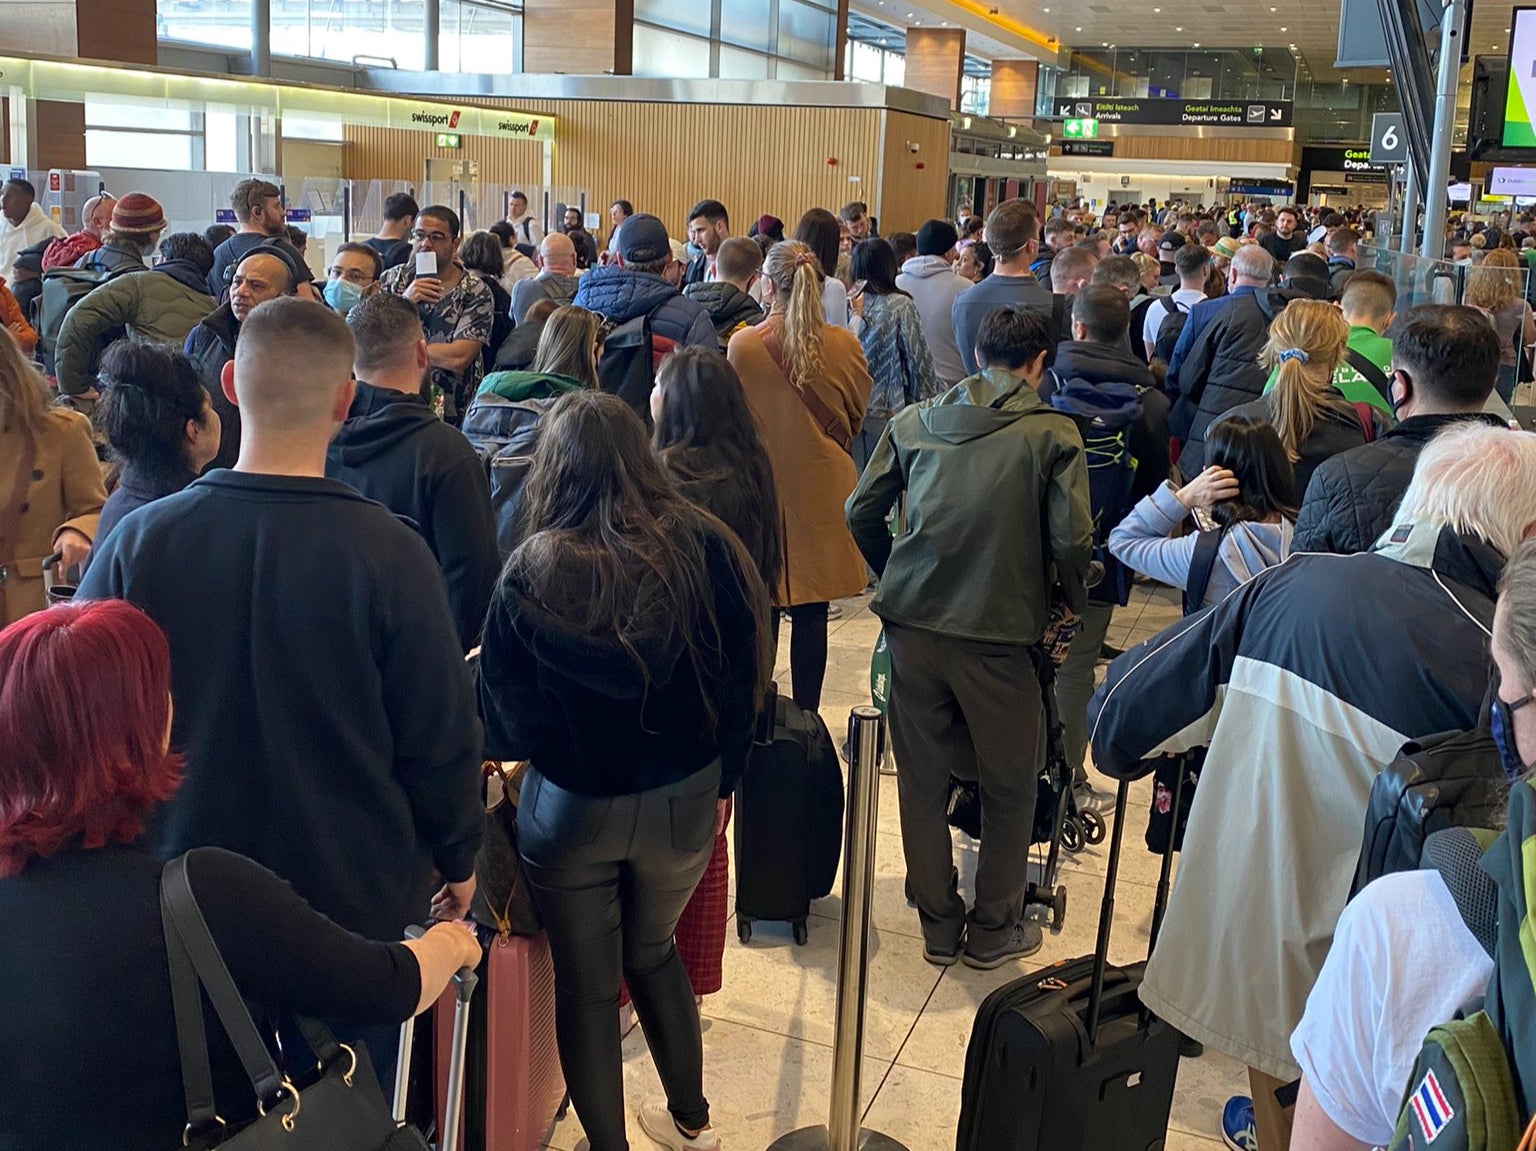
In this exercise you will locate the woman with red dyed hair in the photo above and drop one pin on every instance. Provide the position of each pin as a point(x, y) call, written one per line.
point(88, 1053)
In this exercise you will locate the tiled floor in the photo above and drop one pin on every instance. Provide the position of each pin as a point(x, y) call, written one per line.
point(768, 1033)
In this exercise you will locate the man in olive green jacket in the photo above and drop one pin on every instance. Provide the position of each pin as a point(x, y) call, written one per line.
point(160, 304)
point(992, 486)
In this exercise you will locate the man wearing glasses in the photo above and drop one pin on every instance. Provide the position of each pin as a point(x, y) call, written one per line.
point(457, 310)
point(353, 276)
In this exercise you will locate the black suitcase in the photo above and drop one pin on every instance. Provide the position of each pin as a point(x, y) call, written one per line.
point(788, 820)
point(1067, 1059)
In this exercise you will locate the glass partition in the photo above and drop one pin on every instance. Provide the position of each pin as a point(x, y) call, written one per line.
point(1424, 281)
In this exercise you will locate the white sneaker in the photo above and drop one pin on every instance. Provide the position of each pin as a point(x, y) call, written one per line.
point(657, 1122)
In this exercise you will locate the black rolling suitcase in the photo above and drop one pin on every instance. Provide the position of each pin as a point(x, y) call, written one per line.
point(788, 820)
point(1067, 1059)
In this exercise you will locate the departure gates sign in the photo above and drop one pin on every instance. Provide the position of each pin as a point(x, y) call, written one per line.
point(1211, 113)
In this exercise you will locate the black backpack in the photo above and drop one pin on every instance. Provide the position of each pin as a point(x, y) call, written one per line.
point(63, 288)
point(504, 434)
point(1169, 330)
point(631, 354)
point(1453, 779)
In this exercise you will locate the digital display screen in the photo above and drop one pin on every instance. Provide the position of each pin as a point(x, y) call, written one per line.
point(1520, 96)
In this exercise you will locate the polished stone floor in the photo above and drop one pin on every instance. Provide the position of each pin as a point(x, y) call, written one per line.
point(768, 1033)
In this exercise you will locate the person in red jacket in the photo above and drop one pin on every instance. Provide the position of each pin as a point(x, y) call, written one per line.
point(95, 220)
point(12, 319)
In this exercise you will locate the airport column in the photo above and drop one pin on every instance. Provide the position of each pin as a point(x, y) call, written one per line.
point(118, 30)
point(936, 62)
point(1014, 84)
point(579, 37)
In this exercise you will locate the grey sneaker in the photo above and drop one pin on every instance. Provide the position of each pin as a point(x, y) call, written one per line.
point(940, 958)
point(1023, 941)
point(1088, 799)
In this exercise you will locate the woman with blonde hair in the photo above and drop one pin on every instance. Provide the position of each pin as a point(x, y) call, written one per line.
point(569, 348)
point(1497, 287)
point(51, 492)
point(808, 387)
point(1315, 421)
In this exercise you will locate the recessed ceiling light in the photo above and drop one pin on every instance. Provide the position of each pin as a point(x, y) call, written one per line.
point(1178, 29)
point(1196, 44)
point(1285, 29)
point(1079, 27)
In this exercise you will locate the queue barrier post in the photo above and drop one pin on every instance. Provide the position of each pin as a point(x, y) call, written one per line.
point(866, 739)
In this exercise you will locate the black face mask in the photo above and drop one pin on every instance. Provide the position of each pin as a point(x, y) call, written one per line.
point(1398, 403)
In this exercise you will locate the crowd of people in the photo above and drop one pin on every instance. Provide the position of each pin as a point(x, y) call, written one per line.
point(521, 495)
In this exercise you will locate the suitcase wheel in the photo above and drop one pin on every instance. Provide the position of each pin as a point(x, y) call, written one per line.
point(743, 929)
point(1072, 834)
point(1093, 826)
point(1058, 908)
point(802, 933)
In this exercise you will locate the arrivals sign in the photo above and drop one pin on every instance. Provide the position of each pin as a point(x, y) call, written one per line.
point(1087, 147)
point(1152, 110)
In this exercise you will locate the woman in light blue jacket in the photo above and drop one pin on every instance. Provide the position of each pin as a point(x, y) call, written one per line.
point(1247, 490)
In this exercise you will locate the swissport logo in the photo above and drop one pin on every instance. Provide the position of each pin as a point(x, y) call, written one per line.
point(518, 128)
point(435, 119)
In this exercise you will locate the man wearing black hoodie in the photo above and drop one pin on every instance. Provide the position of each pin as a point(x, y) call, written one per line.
point(322, 699)
point(1114, 399)
point(395, 450)
point(738, 264)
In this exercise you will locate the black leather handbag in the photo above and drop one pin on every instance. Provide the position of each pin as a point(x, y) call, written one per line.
point(341, 1109)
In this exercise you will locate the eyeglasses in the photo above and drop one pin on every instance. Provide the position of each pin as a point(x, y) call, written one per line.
point(431, 237)
point(350, 275)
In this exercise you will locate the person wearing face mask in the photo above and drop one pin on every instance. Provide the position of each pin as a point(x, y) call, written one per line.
point(352, 277)
point(1408, 954)
point(1445, 359)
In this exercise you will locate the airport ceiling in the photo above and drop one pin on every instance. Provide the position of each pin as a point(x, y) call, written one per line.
point(1002, 28)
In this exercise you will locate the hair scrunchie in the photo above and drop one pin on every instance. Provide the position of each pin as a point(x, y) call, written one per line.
point(805, 258)
point(1294, 354)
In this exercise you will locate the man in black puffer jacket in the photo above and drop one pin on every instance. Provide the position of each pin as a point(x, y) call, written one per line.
point(1444, 359)
point(1215, 364)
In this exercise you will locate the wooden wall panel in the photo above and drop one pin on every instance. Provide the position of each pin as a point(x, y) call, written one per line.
point(935, 61)
point(1238, 151)
point(665, 157)
point(1014, 83)
point(579, 37)
point(60, 135)
point(120, 30)
point(911, 194)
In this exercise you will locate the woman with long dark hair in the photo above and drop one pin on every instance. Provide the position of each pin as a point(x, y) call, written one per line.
point(625, 657)
point(822, 232)
point(807, 386)
point(895, 349)
point(1248, 490)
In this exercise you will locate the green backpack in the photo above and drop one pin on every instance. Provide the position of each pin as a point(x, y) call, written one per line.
point(1472, 1087)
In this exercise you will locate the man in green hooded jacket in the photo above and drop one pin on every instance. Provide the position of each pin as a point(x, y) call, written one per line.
point(991, 488)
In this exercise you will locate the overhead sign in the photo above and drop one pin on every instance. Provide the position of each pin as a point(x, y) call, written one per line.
point(1355, 158)
point(1087, 147)
point(1511, 182)
point(300, 215)
point(1262, 187)
point(1389, 139)
point(1221, 113)
point(449, 140)
point(225, 216)
point(1080, 129)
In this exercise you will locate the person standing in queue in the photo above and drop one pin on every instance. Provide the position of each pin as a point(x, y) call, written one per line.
point(457, 310)
point(625, 656)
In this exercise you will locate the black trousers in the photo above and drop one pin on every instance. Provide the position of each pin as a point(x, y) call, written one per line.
point(807, 652)
point(611, 876)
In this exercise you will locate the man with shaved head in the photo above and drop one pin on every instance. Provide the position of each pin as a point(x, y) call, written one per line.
point(263, 274)
point(95, 222)
point(557, 281)
point(321, 697)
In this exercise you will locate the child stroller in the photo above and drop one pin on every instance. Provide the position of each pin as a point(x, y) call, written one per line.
point(1059, 822)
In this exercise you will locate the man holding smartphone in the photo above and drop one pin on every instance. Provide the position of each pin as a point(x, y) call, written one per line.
point(457, 310)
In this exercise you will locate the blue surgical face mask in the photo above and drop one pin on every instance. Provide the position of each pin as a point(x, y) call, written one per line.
point(1501, 720)
point(342, 295)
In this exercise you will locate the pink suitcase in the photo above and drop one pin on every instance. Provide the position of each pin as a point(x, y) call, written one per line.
point(514, 1089)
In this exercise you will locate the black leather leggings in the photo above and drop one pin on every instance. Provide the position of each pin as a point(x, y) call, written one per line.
point(807, 652)
point(611, 876)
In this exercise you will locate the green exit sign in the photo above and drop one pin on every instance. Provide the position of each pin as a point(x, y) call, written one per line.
point(448, 140)
point(1080, 129)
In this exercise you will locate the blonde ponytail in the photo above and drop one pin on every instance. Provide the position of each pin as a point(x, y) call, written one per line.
point(797, 283)
point(1306, 343)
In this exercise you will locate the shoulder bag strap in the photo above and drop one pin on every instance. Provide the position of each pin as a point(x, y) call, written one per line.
point(1365, 416)
point(192, 949)
point(832, 427)
point(1201, 566)
point(1369, 369)
point(1170, 305)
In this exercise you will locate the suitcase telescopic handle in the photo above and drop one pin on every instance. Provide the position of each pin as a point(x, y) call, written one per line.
point(464, 982)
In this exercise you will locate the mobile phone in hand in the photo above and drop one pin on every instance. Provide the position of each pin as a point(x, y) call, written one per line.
point(426, 264)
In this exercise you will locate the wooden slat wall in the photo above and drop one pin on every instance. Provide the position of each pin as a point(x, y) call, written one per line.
point(935, 62)
point(1238, 151)
point(664, 157)
point(578, 37)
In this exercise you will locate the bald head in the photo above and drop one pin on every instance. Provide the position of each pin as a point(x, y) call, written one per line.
point(558, 254)
point(96, 215)
point(293, 361)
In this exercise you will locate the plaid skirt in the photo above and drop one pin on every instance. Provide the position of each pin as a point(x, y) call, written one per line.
point(700, 933)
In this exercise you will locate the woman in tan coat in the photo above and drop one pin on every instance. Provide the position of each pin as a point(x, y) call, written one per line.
point(50, 485)
point(808, 386)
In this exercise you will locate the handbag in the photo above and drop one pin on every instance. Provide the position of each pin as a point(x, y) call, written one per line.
point(503, 900)
point(340, 1108)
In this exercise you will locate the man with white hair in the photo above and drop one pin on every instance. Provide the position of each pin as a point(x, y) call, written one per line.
point(1303, 689)
point(1215, 364)
point(556, 281)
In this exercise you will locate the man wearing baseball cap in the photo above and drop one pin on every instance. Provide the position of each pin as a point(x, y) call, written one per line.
point(1167, 248)
point(635, 284)
point(137, 222)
